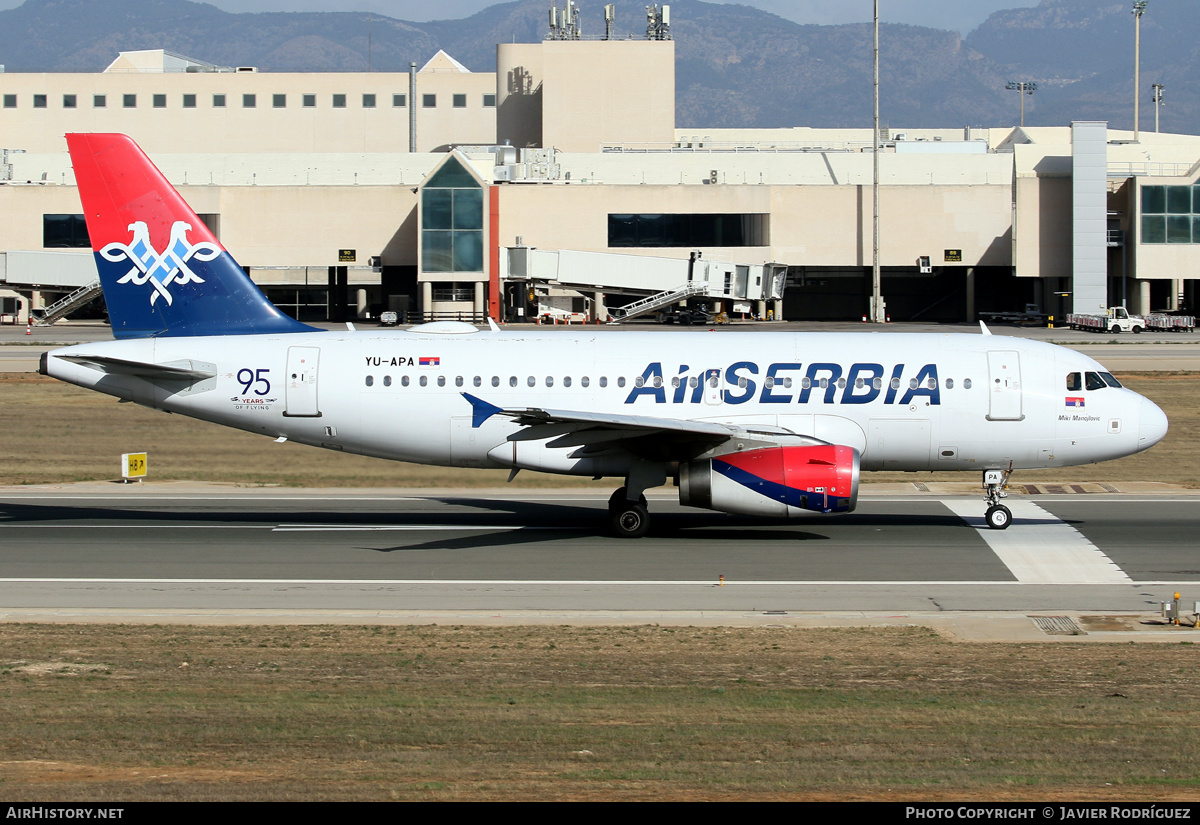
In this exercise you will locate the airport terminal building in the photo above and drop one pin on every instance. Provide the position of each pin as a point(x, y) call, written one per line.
point(561, 180)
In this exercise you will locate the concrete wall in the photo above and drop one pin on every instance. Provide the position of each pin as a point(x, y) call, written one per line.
point(236, 128)
point(588, 93)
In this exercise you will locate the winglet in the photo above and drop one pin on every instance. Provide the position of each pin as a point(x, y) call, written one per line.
point(493, 326)
point(983, 328)
point(480, 410)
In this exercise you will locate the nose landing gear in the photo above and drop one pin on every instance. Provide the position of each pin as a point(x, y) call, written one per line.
point(998, 517)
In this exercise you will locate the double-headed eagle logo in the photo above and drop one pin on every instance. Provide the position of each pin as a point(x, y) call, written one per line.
point(160, 269)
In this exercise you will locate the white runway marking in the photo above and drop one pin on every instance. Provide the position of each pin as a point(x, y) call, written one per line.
point(1046, 552)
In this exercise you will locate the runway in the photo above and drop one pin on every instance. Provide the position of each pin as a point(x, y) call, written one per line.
point(532, 552)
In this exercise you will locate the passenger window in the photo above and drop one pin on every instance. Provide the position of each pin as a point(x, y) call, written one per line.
point(841, 383)
point(584, 381)
point(567, 381)
point(424, 380)
point(404, 380)
point(387, 380)
point(637, 382)
point(477, 381)
point(966, 383)
point(549, 381)
point(495, 380)
point(876, 382)
point(370, 380)
point(658, 380)
point(805, 383)
point(1094, 381)
point(531, 381)
point(693, 382)
point(824, 383)
point(441, 380)
point(949, 383)
point(858, 383)
point(770, 382)
point(458, 382)
point(1074, 382)
point(512, 380)
point(895, 383)
point(603, 381)
point(621, 381)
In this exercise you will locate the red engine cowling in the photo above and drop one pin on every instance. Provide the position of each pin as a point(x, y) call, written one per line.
point(774, 481)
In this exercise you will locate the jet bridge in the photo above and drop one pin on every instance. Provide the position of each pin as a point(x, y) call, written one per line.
point(653, 282)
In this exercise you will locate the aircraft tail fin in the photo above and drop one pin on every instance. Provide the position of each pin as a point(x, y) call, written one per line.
point(162, 270)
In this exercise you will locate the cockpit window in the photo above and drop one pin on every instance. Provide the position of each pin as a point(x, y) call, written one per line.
point(1108, 379)
point(1074, 382)
point(1094, 381)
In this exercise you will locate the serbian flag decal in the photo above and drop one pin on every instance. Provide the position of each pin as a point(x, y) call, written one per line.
point(436, 361)
point(1075, 401)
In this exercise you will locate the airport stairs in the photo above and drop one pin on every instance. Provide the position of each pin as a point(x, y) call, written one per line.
point(66, 304)
point(658, 301)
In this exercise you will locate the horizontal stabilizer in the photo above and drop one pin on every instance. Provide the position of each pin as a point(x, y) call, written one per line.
point(139, 369)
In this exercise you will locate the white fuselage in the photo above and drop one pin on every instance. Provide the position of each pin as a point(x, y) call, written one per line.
point(905, 401)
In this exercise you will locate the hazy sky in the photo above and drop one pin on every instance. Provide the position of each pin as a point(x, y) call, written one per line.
point(962, 15)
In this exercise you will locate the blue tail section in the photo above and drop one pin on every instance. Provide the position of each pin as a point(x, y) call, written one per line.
point(162, 270)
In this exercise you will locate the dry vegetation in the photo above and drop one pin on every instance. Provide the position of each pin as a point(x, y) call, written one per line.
point(462, 713)
point(57, 433)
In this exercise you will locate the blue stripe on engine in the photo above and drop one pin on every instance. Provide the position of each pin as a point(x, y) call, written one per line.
point(782, 493)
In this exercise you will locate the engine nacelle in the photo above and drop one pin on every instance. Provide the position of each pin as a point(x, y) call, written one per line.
point(774, 481)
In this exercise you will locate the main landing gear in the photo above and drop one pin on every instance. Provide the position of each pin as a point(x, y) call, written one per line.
point(628, 517)
point(998, 517)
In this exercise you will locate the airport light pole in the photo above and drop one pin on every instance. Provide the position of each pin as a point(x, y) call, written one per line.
point(1025, 87)
point(878, 314)
point(1157, 98)
point(1139, 8)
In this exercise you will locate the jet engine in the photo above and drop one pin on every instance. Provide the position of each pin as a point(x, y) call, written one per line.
point(774, 481)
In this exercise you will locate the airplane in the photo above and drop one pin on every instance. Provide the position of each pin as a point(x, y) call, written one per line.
point(759, 423)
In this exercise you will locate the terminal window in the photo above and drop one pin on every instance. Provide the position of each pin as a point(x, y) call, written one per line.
point(1170, 214)
point(99, 101)
point(452, 221)
point(10, 101)
point(189, 101)
point(310, 101)
point(368, 101)
point(429, 101)
point(39, 101)
point(218, 101)
point(489, 101)
point(339, 101)
point(129, 101)
point(69, 101)
point(460, 101)
point(64, 232)
point(160, 101)
point(399, 101)
point(249, 101)
point(279, 101)
point(684, 230)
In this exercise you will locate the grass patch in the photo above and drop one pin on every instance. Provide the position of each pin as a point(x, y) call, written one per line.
point(658, 713)
point(58, 433)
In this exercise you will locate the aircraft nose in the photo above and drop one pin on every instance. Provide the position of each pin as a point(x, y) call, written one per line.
point(1152, 424)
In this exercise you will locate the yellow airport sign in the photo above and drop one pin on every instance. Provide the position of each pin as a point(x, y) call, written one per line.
point(133, 465)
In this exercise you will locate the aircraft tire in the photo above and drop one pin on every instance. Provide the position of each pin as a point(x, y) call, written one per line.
point(998, 517)
point(617, 500)
point(630, 522)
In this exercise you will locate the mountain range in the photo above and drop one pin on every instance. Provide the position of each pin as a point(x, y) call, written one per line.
point(735, 65)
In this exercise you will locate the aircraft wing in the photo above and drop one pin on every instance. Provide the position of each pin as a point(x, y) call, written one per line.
point(643, 435)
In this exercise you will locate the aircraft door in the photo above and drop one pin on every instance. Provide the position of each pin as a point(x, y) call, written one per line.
point(1004, 386)
point(714, 387)
point(301, 393)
